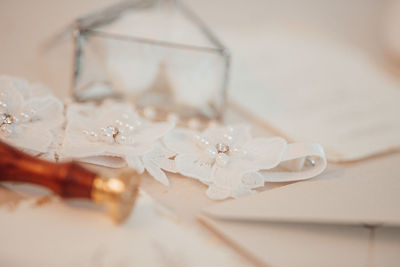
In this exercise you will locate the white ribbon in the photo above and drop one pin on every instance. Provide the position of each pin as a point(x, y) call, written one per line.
point(294, 159)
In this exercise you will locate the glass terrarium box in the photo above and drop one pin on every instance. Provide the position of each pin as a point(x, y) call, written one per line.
point(156, 53)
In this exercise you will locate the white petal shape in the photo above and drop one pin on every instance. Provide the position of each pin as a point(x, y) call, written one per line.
point(21, 85)
point(227, 182)
point(37, 133)
point(252, 180)
point(161, 156)
point(218, 193)
point(181, 141)
point(85, 119)
point(48, 111)
point(195, 166)
point(166, 164)
point(135, 162)
point(155, 171)
point(236, 135)
point(229, 177)
point(31, 138)
point(10, 96)
point(152, 131)
point(262, 153)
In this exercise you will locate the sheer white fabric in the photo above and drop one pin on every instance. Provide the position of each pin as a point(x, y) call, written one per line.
point(114, 135)
point(31, 117)
point(232, 163)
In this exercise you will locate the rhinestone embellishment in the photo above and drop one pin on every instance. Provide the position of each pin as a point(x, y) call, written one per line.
point(7, 119)
point(116, 133)
point(222, 148)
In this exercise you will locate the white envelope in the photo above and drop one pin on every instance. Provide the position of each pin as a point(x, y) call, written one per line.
point(350, 216)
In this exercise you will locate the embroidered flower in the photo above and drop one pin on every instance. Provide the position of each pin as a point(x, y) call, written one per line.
point(30, 116)
point(226, 158)
point(105, 134)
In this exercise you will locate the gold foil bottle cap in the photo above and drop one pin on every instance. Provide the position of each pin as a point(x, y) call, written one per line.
point(118, 193)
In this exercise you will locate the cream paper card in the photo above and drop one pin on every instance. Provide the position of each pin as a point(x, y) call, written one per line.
point(323, 222)
point(309, 245)
point(311, 87)
point(366, 192)
point(277, 244)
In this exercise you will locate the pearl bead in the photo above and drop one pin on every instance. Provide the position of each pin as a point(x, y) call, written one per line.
point(228, 137)
point(121, 139)
point(25, 116)
point(203, 142)
point(310, 162)
point(239, 152)
point(149, 113)
point(118, 132)
point(222, 159)
point(212, 151)
point(104, 132)
point(93, 136)
point(107, 137)
point(129, 127)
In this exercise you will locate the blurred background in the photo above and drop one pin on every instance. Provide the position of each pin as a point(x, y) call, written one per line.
point(370, 26)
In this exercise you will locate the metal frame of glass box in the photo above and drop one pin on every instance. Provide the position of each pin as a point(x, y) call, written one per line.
point(86, 25)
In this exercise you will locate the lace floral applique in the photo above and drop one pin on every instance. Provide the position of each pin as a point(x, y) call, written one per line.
point(30, 115)
point(228, 159)
point(108, 133)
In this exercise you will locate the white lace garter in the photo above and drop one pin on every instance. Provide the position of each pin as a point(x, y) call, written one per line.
point(113, 134)
point(30, 116)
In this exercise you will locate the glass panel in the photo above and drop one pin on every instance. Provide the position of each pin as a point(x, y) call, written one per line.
point(155, 53)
